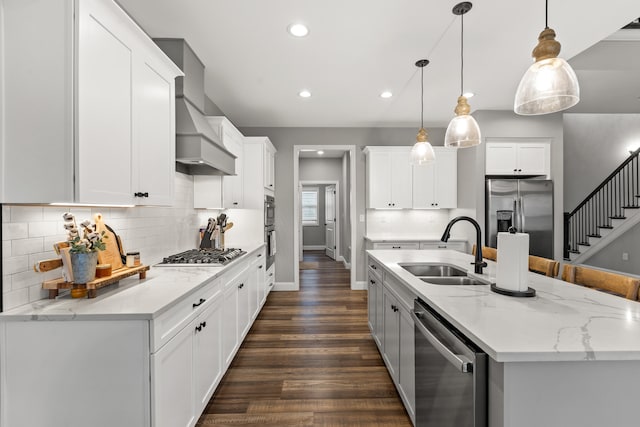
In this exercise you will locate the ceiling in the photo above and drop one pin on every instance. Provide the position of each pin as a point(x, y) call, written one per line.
point(358, 48)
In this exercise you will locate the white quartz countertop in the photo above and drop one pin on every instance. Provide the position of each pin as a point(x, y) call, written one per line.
point(381, 238)
point(563, 322)
point(132, 298)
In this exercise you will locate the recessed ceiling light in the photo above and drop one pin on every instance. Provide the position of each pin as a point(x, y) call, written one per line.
point(298, 30)
point(386, 94)
point(468, 95)
point(320, 152)
point(304, 93)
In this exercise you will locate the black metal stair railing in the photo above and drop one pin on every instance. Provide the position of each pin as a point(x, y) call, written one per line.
point(619, 190)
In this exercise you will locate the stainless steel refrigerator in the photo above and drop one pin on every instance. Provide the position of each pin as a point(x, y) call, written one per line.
point(527, 204)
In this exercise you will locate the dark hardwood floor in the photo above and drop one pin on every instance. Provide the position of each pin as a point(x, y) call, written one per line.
point(309, 360)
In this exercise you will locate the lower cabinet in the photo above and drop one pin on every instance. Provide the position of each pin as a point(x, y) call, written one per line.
point(391, 324)
point(207, 354)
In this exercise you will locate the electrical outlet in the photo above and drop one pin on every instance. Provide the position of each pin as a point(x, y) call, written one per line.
point(625, 256)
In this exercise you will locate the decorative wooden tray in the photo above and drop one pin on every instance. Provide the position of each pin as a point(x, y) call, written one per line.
point(53, 286)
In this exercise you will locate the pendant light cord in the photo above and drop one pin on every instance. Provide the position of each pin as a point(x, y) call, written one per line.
point(422, 97)
point(546, 14)
point(461, 54)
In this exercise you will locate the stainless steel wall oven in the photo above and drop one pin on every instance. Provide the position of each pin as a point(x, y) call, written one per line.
point(269, 229)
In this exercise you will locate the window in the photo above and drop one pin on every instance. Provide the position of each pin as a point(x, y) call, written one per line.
point(310, 206)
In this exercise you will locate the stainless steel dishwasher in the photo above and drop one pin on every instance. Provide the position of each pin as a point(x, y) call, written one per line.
point(450, 373)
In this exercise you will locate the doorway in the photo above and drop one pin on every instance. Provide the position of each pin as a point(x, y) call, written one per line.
point(335, 182)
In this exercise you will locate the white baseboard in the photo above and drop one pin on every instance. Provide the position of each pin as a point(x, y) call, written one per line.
point(360, 285)
point(286, 286)
point(313, 247)
point(344, 261)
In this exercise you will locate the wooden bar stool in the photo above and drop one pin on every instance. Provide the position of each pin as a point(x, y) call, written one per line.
point(613, 283)
point(487, 252)
point(545, 266)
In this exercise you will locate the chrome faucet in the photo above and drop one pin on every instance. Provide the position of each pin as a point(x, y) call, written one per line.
point(479, 262)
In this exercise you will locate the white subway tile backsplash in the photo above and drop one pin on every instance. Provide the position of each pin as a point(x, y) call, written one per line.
point(27, 246)
point(15, 230)
point(26, 213)
point(14, 264)
point(26, 279)
point(29, 232)
point(45, 228)
point(14, 299)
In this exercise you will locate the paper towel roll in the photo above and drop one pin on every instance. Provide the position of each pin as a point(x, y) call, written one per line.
point(513, 261)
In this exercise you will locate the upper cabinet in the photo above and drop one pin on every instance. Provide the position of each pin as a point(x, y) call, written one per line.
point(518, 158)
point(435, 185)
point(88, 106)
point(259, 162)
point(389, 177)
point(223, 192)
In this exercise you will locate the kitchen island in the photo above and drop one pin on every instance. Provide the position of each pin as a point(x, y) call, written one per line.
point(570, 356)
point(143, 353)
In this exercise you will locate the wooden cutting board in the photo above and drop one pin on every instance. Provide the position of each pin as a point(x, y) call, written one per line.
point(111, 255)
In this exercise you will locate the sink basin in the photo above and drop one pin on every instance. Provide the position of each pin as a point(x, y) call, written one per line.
point(433, 269)
point(452, 280)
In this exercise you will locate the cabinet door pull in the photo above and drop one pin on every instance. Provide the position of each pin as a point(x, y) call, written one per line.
point(199, 303)
point(259, 266)
point(373, 282)
point(241, 286)
point(203, 324)
point(442, 246)
point(270, 274)
point(373, 267)
point(396, 247)
point(198, 328)
point(139, 194)
point(259, 255)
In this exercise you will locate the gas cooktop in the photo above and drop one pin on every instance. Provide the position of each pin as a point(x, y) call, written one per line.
point(202, 257)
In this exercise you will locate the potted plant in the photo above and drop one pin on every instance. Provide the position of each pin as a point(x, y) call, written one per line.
point(84, 243)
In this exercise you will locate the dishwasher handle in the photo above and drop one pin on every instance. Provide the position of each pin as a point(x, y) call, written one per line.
point(460, 362)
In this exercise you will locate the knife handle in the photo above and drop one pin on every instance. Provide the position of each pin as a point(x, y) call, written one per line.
point(47, 265)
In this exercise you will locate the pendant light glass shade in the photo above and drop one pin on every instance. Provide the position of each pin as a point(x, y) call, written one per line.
point(422, 151)
point(463, 130)
point(550, 84)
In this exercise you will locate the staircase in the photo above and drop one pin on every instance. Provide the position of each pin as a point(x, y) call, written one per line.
point(608, 212)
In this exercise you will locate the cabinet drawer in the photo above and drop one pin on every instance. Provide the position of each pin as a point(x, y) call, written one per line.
point(169, 323)
point(456, 246)
point(375, 268)
point(397, 245)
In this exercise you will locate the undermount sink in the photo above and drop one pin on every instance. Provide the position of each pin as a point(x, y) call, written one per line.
point(434, 270)
point(459, 280)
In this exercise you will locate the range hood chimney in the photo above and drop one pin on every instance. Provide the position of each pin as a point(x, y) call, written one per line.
point(198, 147)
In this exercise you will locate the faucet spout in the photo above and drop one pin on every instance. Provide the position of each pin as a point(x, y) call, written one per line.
point(478, 262)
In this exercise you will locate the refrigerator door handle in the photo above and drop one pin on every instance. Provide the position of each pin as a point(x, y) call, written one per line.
point(516, 215)
point(521, 212)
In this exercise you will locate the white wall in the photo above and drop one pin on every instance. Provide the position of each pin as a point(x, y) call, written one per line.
point(28, 233)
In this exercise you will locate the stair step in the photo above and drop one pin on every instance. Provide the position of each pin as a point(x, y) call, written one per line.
point(606, 227)
point(631, 207)
point(594, 235)
point(583, 244)
point(618, 217)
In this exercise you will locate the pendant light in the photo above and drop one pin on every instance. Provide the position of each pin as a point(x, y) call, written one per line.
point(422, 151)
point(550, 84)
point(463, 130)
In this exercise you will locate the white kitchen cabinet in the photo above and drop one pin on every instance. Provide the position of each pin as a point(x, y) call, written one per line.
point(374, 302)
point(207, 353)
point(391, 335)
point(269, 166)
point(258, 162)
point(269, 280)
point(230, 335)
point(435, 184)
point(518, 158)
point(173, 381)
point(406, 376)
point(104, 93)
point(257, 291)
point(389, 177)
